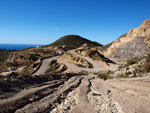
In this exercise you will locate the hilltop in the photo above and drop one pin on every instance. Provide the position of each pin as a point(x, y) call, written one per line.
point(74, 41)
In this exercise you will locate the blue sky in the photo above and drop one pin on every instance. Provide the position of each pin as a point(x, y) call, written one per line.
point(44, 21)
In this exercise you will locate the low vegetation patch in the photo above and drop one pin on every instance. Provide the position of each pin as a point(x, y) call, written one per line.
point(25, 72)
point(105, 75)
point(146, 66)
point(124, 76)
point(53, 62)
point(95, 94)
point(33, 57)
point(3, 56)
point(35, 65)
point(90, 65)
point(135, 67)
point(132, 61)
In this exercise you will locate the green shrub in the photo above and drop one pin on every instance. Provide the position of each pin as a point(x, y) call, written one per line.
point(103, 76)
point(53, 62)
point(3, 55)
point(21, 56)
point(90, 65)
point(132, 61)
point(35, 65)
point(33, 57)
point(12, 64)
point(53, 66)
point(95, 94)
point(80, 65)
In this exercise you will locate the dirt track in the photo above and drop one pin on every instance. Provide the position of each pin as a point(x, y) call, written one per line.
point(44, 66)
point(83, 94)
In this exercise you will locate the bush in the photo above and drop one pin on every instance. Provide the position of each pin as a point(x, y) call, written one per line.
point(33, 57)
point(80, 65)
point(95, 94)
point(53, 66)
point(21, 56)
point(35, 65)
point(12, 64)
point(3, 55)
point(132, 61)
point(90, 65)
point(105, 75)
point(146, 67)
point(53, 62)
point(25, 72)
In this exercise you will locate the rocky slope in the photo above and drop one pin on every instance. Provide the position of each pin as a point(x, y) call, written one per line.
point(134, 44)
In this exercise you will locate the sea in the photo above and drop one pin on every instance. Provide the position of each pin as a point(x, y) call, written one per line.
point(17, 46)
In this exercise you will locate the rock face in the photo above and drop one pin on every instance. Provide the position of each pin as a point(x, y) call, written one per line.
point(134, 44)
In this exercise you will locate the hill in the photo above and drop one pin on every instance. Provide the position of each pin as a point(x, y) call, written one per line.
point(134, 44)
point(74, 41)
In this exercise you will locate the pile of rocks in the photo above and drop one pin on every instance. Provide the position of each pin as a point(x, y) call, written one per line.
point(102, 103)
point(68, 104)
point(131, 70)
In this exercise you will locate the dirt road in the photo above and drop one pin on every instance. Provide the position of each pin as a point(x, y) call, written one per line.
point(83, 94)
point(44, 66)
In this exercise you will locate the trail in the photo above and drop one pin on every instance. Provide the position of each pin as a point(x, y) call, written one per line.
point(44, 66)
point(83, 94)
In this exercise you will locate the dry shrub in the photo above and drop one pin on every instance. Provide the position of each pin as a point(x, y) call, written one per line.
point(146, 67)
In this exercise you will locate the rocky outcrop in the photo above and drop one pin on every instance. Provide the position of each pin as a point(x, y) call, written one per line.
point(95, 55)
point(134, 68)
point(134, 44)
point(75, 59)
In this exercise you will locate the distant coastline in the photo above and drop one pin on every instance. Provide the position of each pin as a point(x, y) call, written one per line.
point(17, 46)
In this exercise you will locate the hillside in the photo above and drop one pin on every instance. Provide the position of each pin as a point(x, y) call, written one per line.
point(74, 41)
point(134, 44)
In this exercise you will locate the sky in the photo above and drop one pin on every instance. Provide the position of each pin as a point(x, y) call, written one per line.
point(45, 21)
